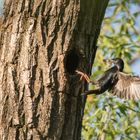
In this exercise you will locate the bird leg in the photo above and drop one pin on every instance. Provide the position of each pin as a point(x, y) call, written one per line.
point(96, 91)
point(85, 76)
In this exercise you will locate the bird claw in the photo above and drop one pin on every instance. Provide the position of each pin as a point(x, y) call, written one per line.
point(83, 75)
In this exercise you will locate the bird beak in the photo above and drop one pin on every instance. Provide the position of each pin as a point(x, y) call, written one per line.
point(108, 61)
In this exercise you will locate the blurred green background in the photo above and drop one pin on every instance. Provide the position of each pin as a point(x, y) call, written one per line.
point(107, 117)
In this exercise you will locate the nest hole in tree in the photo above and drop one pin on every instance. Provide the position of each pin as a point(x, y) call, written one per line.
point(72, 60)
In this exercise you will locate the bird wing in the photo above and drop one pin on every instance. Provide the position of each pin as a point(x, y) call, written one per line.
point(126, 86)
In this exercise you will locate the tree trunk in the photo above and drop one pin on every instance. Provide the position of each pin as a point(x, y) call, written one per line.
point(42, 43)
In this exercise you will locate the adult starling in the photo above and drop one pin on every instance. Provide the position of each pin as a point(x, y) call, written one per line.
point(115, 81)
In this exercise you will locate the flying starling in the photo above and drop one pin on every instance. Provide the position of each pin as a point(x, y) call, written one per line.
point(115, 81)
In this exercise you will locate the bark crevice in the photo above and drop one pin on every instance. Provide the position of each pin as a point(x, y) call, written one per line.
point(42, 43)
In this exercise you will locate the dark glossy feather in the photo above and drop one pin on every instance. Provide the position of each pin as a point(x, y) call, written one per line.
point(117, 83)
point(106, 81)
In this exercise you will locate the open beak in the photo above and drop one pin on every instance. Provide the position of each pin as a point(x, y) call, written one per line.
point(108, 61)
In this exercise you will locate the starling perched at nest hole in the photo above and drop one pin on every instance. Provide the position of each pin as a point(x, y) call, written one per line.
point(115, 81)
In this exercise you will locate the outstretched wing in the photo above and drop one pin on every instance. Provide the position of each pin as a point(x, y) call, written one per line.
point(127, 87)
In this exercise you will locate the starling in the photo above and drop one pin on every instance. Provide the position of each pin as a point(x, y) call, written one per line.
point(115, 81)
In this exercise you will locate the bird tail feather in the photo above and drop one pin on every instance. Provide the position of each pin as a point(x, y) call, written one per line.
point(96, 91)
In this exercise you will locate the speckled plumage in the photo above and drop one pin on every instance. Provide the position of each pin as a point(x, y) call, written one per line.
point(117, 82)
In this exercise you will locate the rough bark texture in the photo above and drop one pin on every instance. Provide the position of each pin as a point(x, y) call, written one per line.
point(42, 42)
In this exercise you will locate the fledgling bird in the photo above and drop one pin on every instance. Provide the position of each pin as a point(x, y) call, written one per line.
point(115, 81)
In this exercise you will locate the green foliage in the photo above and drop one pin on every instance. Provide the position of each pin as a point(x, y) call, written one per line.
point(108, 117)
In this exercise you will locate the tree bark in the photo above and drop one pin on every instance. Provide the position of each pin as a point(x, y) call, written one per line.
point(42, 43)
